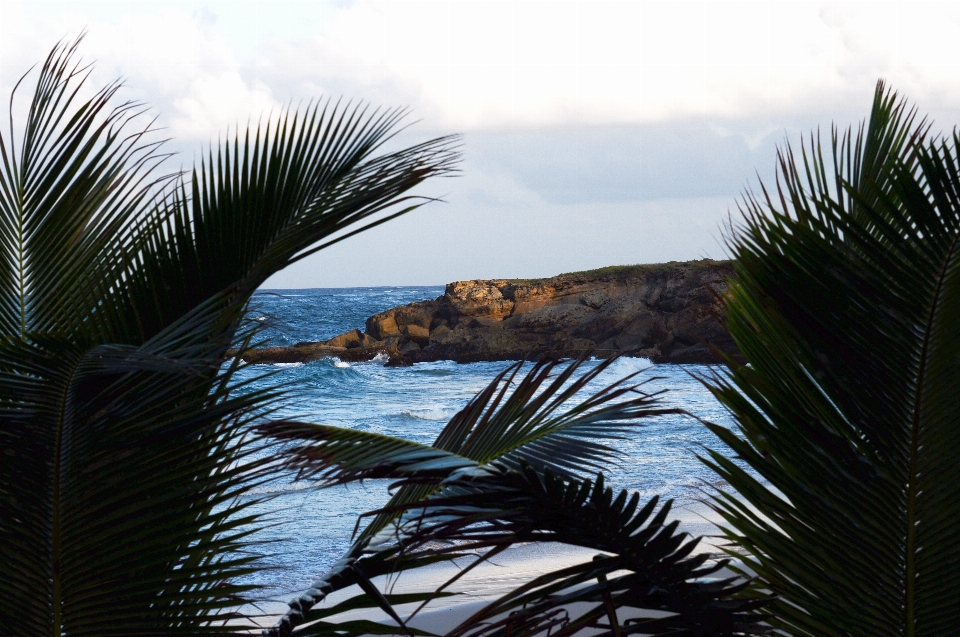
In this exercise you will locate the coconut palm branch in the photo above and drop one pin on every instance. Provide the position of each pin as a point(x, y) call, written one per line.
point(530, 420)
point(846, 307)
point(505, 469)
point(644, 562)
point(125, 436)
point(535, 423)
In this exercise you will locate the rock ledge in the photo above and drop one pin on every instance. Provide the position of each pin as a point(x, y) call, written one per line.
point(664, 312)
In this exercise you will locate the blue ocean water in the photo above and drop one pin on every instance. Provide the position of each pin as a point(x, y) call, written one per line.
point(311, 528)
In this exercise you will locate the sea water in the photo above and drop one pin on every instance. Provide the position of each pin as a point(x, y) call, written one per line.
point(310, 528)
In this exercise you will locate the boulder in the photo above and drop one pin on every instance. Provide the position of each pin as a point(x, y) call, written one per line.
point(416, 334)
point(479, 299)
point(353, 338)
point(380, 326)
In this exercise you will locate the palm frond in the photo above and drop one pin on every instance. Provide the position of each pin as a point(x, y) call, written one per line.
point(334, 455)
point(139, 463)
point(271, 198)
point(537, 424)
point(67, 193)
point(644, 564)
point(321, 626)
point(126, 441)
point(846, 306)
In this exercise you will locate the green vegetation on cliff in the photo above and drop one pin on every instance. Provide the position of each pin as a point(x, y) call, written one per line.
point(626, 271)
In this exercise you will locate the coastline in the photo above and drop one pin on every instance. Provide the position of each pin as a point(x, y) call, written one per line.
point(495, 578)
point(667, 313)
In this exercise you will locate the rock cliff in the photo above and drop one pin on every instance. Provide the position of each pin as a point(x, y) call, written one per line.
point(664, 312)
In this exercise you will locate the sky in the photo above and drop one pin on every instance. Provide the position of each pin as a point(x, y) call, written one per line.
point(594, 133)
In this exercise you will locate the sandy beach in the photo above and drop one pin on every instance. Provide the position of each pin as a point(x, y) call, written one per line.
point(494, 579)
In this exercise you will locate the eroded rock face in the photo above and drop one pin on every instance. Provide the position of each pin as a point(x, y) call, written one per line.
point(665, 312)
point(486, 299)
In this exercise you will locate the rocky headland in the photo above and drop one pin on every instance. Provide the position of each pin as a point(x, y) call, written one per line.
point(665, 312)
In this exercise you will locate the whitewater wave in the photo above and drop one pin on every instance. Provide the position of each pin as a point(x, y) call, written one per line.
point(435, 413)
point(339, 363)
point(628, 365)
point(282, 488)
point(287, 364)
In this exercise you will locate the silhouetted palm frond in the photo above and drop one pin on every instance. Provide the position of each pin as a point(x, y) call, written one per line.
point(644, 563)
point(846, 306)
point(123, 444)
point(532, 420)
point(509, 468)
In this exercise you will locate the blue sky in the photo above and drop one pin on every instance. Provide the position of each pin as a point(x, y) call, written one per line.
point(595, 133)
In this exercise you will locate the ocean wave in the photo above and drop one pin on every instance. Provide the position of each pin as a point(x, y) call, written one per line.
point(435, 413)
point(282, 488)
point(432, 369)
point(626, 365)
point(286, 364)
point(335, 361)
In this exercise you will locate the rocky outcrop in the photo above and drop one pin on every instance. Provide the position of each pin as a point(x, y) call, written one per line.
point(666, 312)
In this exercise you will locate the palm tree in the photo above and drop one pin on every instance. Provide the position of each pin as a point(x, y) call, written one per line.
point(125, 442)
point(846, 306)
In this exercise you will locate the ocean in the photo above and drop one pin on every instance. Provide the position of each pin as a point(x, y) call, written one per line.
point(310, 529)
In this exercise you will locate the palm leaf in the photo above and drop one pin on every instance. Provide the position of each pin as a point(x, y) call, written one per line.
point(126, 441)
point(144, 465)
point(644, 563)
point(322, 625)
point(846, 307)
point(271, 199)
point(532, 425)
point(536, 424)
point(335, 455)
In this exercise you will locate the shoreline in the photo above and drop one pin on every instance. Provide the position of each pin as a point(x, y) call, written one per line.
point(493, 579)
point(668, 313)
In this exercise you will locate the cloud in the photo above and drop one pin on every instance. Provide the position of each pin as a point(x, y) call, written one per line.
point(625, 163)
point(524, 65)
point(596, 132)
point(170, 59)
point(471, 65)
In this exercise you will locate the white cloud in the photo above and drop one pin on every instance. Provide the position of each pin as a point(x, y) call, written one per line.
point(523, 64)
point(170, 59)
point(597, 132)
point(480, 64)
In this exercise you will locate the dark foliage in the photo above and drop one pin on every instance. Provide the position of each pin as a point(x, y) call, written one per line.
point(846, 306)
point(510, 468)
point(125, 443)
